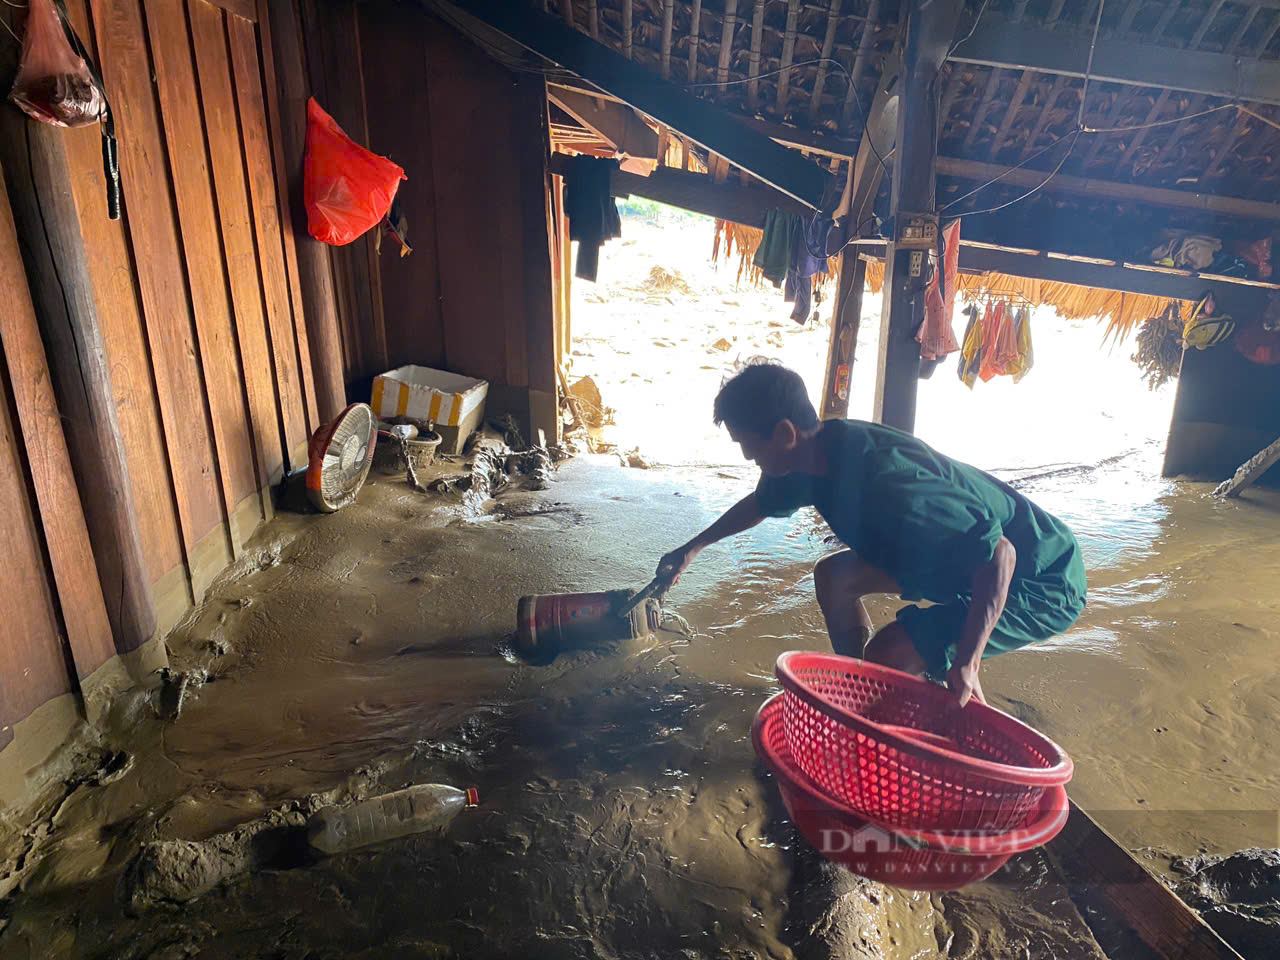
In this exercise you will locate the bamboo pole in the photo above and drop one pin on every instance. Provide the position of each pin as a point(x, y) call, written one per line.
point(788, 54)
point(668, 14)
point(626, 28)
point(828, 42)
point(859, 60)
point(695, 34)
point(726, 38)
point(753, 64)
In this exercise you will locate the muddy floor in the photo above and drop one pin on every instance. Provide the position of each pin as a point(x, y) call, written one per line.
point(623, 814)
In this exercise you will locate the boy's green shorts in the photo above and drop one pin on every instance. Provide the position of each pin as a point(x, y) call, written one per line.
point(1037, 608)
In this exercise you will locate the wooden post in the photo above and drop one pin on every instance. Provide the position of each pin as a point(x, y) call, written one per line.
point(846, 318)
point(929, 31)
point(47, 221)
point(314, 267)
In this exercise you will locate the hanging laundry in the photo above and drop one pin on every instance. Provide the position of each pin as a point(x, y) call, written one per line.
point(971, 353)
point(808, 256)
point(993, 325)
point(936, 337)
point(1026, 356)
point(773, 256)
point(593, 216)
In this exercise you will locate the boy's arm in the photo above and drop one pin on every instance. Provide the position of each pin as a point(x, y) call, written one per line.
point(743, 515)
point(990, 590)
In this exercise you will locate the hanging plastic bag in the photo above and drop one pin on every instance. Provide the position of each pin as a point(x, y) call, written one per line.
point(54, 84)
point(1026, 354)
point(347, 190)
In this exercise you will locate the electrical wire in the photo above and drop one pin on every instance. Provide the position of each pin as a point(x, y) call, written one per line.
point(1162, 123)
point(1045, 149)
point(1088, 70)
point(976, 21)
point(1075, 136)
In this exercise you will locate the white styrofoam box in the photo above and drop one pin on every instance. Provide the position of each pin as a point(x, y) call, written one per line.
point(436, 396)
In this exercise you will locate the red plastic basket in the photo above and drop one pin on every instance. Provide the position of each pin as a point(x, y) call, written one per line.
point(913, 860)
point(847, 724)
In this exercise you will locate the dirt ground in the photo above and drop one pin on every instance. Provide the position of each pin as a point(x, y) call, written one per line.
point(623, 814)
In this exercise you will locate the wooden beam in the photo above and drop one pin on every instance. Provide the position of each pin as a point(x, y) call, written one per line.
point(698, 192)
point(668, 17)
point(1015, 104)
point(1055, 11)
point(1239, 297)
point(788, 53)
point(1141, 134)
point(1249, 471)
point(1228, 144)
point(1046, 109)
point(614, 122)
point(833, 20)
point(1103, 874)
point(1089, 187)
point(1246, 22)
point(753, 64)
point(929, 29)
point(710, 126)
point(695, 35)
point(1126, 17)
point(627, 29)
point(1118, 60)
point(593, 19)
point(980, 113)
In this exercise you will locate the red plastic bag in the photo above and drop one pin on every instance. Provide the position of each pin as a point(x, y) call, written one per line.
point(54, 84)
point(936, 336)
point(346, 189)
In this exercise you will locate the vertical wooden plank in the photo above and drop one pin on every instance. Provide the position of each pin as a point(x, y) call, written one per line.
point(695, 36)
point(162, 280)
point(65, 533)
point(219, 353)
point(531, 138)
point(124, 335)
point(283, 177)
point(291, 393)
point(400, 122)
point(333, 56)
point(288, 91)
point(32, 666)
point(222, 131)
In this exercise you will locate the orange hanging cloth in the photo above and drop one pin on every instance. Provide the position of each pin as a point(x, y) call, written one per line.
point(346, 189)
point(992, 325)
point(936, 335)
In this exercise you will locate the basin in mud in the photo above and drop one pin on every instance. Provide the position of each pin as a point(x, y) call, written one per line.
point(550, 623)
point(388, 456)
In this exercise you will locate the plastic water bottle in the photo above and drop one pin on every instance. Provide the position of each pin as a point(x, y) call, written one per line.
point(427, 806)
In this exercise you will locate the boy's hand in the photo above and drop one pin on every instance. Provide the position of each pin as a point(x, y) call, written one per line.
point(962, 678)
point(676, 562)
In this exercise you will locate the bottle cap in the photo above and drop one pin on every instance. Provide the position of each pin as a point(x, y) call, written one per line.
point(473, 797)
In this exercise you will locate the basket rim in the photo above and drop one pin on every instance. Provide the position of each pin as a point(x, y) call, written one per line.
point(1051, 812)
point(1055, 775)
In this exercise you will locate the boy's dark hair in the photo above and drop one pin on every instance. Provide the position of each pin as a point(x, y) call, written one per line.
point(760, 396)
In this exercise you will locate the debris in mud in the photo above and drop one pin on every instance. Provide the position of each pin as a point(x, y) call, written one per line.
point(635, 460)
point(178, 871)
point(1239, 896)
point(588, 404)
point(491, 466)
point(172, 694)
point(666, 281)
point(722, 345)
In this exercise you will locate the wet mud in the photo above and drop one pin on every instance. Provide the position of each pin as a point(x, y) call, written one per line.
point(624, 814)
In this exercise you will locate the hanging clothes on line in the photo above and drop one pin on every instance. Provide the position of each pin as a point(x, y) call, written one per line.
point(808, 256)
point(593, 216)
point(971, 353)
point(1022, 334)
point(773, 256)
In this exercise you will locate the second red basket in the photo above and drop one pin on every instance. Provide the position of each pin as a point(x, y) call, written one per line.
point(840, 715)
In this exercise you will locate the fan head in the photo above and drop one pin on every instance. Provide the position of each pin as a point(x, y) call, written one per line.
point(340, 454)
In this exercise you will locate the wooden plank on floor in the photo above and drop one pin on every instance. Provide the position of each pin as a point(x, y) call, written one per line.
point(157, 256)
point(1250, 470)
point(256, 142)
point(66, 534)
point(124, 336)
point(244, 272)
point(1094, 864)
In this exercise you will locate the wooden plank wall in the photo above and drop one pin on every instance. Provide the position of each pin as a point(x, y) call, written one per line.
point(206, 345)
point(195, 294)
point(475, 296)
